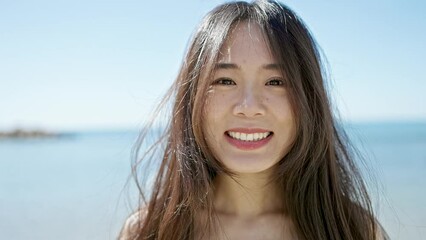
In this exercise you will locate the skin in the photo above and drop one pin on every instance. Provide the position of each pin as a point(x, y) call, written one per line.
point(249, 96)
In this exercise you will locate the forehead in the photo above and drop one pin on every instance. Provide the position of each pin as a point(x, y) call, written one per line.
point(246, 41)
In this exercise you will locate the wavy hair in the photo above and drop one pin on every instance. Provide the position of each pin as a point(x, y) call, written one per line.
point(324, 193)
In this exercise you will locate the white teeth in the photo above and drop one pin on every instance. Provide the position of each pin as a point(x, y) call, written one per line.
point(243, 137)
point(256, 136)
point(249, 136)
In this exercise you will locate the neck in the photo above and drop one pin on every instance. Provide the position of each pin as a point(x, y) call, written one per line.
point(247, 195)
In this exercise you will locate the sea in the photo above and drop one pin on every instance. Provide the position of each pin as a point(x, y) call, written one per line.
point(77, 186)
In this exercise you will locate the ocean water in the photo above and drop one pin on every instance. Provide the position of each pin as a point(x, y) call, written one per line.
point(396, 153)
point(74, 187)
point(66, 188)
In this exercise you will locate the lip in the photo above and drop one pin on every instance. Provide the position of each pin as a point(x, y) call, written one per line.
point(248, 145)
point(248, 130)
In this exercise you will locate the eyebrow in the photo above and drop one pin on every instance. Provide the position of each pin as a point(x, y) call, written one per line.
point(227, 66)
point(270, 66)
point(273, 66)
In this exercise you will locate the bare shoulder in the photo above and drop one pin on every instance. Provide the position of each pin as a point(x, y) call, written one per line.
point(132, 224)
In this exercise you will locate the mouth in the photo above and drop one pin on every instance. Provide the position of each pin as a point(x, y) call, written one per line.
point(248, 137)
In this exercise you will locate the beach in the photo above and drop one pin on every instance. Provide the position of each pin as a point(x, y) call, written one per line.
point(74, 187)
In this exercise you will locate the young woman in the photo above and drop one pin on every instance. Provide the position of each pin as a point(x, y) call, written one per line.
point(252, 150)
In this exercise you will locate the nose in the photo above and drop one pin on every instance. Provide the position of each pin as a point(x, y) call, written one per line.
point(249, 103)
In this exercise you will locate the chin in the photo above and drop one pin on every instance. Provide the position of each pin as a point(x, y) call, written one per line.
point(249, 167)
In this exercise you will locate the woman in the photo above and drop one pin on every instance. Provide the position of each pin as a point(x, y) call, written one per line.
point(252, 150)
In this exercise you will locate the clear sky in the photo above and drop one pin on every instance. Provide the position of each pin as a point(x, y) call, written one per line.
point(70, 65)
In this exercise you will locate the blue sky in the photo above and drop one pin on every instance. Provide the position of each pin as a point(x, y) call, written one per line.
point(70, 65)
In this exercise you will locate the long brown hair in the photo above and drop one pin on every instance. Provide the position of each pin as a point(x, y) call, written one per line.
point(324, 193)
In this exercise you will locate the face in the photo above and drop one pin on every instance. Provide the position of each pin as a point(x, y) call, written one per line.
point(248, 121)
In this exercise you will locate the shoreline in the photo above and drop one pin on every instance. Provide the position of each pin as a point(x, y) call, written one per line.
point(27, 134)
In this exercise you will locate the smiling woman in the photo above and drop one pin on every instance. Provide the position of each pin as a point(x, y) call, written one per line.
point(252, 150)
point(248, 120)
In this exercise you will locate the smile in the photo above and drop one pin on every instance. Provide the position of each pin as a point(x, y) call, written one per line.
point(248, 137)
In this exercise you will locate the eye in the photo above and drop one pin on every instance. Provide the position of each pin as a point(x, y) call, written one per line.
point(224, 81)
point(275, 82)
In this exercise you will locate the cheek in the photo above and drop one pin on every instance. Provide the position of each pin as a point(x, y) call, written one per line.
point(215, 106)
point(280, 105)
point(283, 112)
point(211, 113)
point(211, 122)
